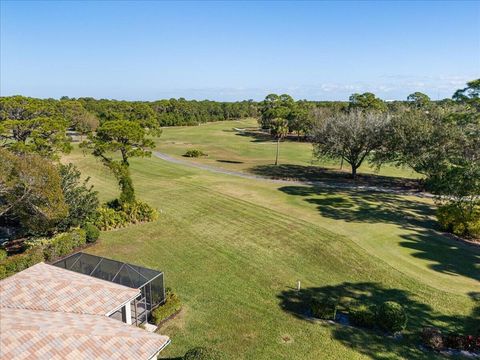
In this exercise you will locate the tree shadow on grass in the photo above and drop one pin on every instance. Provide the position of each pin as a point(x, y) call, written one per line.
point(446, 254)
point(334, 177)
point(230, 161)
point(372, 343)
point(255, 135)
point(365, 206)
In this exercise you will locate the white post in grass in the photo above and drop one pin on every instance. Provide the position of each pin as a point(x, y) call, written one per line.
point(298, 285)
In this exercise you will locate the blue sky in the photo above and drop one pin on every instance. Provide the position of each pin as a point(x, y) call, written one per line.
point(237, 50)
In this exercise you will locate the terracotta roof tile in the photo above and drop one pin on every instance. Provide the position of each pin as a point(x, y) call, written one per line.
point(47, 312)
point(50, 288)
point(32, 334)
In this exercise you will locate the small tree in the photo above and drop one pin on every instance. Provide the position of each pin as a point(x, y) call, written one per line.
point(352, 136)
point(128, 139)
point(278, 128)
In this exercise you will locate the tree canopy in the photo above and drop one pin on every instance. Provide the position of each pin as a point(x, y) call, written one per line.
point(366, 101)
point(352, 136)
point(30, 192)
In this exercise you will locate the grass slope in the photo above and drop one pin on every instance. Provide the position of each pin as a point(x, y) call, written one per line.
point(233, 249)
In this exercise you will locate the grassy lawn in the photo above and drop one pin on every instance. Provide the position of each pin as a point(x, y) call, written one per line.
point(230, 148)
point(233, 249)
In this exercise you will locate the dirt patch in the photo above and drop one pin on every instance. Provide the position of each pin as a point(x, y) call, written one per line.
point(286, 339)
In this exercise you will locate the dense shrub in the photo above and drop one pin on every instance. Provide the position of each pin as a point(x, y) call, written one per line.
point(202, 353)
point(171, 306)
point(453, 218)
point(391, 317)
point(324, 307)
point(38, 250)
point(139, 212)
point(432, 338)
point(63, 244)
point(108, 218)
point(114, 215)
point(195, 153)
point(16, 263)
point(3, 254)
point(91, 232)
point(362, 315)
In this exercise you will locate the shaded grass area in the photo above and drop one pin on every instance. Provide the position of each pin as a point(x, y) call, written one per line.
point(316, 173)
point(372, 343)
point(445, 255)
point(230, 247)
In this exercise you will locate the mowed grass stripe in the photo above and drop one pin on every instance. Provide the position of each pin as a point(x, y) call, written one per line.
point(229, 259)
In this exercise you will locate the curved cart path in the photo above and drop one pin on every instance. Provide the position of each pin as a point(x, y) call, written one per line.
point(218, 170)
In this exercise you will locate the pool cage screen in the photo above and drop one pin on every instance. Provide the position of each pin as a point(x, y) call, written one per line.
point(150, 282)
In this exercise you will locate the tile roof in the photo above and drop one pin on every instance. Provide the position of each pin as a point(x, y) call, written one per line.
point(48, 312)
point(50, 288)
point(32, 334)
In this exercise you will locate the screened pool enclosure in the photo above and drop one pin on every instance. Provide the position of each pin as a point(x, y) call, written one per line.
point(148, 281)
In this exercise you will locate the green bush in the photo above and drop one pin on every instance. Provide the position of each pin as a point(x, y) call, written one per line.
point(171, 306)
point(3, 254)
point(108, 218)
point(362, 315)
point(114, 215)
point(391, 317)
point(194, 153)
point(16, 263)
point(63, 244)
point(324, 307)
point(459, 221)
point(202, 353)
point(139, 212)
point(91, 232)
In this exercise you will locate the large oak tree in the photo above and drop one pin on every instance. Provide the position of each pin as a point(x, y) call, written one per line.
point(352, 136)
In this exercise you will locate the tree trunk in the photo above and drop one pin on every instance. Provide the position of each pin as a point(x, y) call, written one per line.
point(341, 164)
point(354, 172)
point(276, 157)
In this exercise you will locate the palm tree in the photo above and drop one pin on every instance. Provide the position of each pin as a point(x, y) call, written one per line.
point(278, 128)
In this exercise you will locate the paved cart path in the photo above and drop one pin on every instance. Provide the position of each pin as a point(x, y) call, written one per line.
point(218, 170)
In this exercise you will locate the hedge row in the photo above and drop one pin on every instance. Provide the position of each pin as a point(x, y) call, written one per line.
point(171, 306)
point(42, 250)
